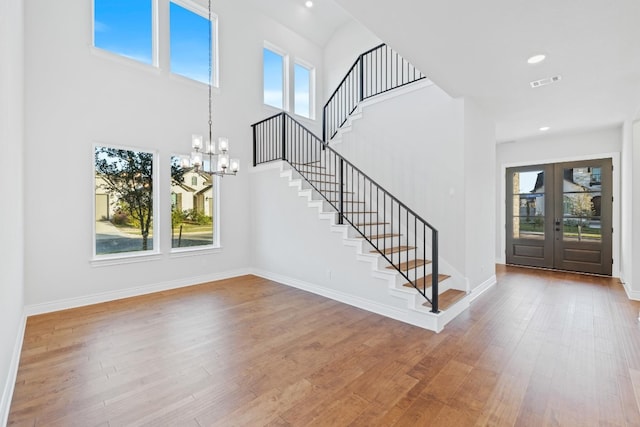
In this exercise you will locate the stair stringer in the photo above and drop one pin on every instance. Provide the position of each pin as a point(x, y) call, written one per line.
point(416, 314)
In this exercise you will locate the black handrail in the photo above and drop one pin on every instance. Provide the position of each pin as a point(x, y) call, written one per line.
point(376, 71)
point(391, 227)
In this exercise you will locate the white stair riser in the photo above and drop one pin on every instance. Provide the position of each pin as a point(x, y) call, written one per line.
point(417, 314)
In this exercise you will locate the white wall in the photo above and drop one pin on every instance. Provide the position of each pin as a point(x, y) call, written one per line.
point(342, 50)
point(479, 176)
point(76, 95)
point(11, 175)
point(634, 286)
point(290, 240)
point(557, 148)
point(413, 145)
point(626, 204)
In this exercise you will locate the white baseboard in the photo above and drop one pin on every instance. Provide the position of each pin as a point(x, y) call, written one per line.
point(7, 393)
point(355, 301)
point(631, 294)
point(483, 287)
point(49, 307)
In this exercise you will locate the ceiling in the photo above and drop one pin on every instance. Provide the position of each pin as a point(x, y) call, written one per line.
point(316, 24)
point(479, 49)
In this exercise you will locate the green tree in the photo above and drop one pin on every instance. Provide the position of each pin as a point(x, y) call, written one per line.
point(128, 176)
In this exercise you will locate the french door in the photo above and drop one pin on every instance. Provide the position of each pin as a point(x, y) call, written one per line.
point(559, 216)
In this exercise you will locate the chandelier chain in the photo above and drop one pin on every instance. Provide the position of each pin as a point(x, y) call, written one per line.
point(210, 75)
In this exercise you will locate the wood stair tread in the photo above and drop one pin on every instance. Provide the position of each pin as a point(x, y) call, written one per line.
point(447, 299)
point(421, 281)
point(337, 191)
point(315, 181)
point(411, 264)
point(306, 165)
point(394, 250)
point(314, 173)
point(382, 236)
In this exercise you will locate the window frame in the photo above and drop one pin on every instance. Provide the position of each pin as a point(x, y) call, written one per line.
point(155, 36)
point(215, 246)
point(285, 77)
point(196, 8)
point(133, 256)
point(312, 87)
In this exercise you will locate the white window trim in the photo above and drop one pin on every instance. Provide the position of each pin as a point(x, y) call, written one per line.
point(204, 12)
point(312, 87)
point(126, 257)
point(155, 35)
point(285, 77)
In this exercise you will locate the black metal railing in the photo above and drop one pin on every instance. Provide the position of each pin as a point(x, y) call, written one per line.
point(376, 71)
point(400, 235)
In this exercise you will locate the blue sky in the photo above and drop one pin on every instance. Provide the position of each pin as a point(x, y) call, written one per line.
point(125, 27)
point(273, 81)
point(273, 69)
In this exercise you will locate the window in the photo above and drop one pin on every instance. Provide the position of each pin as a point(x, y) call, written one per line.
point(282, 92)
point(274, 67)
point(129, 28)
point(193, 209)
point(124, 200)
point(190, 30)
point(303, 95)
point(125, 27)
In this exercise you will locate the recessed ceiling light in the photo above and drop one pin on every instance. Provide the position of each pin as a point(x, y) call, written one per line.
point(545, 128)
point(536, 59)
point(308, 3)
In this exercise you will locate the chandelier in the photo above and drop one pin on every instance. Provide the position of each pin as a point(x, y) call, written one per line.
point(206, 156)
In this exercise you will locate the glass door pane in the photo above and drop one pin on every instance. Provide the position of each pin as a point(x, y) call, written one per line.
point(528, 204)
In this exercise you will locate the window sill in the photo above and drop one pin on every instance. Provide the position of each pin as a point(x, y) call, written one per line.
point(112, 56)
point(196, 83)
point(119, 259)
point(198, 250)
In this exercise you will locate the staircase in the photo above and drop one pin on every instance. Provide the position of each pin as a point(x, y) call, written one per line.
point(401, 246)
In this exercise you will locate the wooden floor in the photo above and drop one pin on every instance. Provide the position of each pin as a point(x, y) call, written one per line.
point(537, 349)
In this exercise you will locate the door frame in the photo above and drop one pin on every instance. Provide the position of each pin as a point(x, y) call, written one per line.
point(615, 220)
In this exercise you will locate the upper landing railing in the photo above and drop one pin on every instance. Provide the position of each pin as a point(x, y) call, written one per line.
point(376, 71)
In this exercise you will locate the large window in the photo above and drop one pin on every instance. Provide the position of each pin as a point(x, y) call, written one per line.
point(189, 33)
point(125, 27)
point(283, 92)
point(303, 90)
point(124, 200)
point(274, 66)
point(129, 28)
point(193, 207)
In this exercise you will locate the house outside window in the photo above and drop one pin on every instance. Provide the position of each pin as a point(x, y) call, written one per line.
point(124, 201)
point(194, 207)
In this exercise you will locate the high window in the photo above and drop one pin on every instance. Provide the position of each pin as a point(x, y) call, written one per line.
point(124, 200)
point(296, 94)
point(303, 90)
point(125, 27)
point(130, 28)
point(189, 40)
point(193, 207)
point(274, 66)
